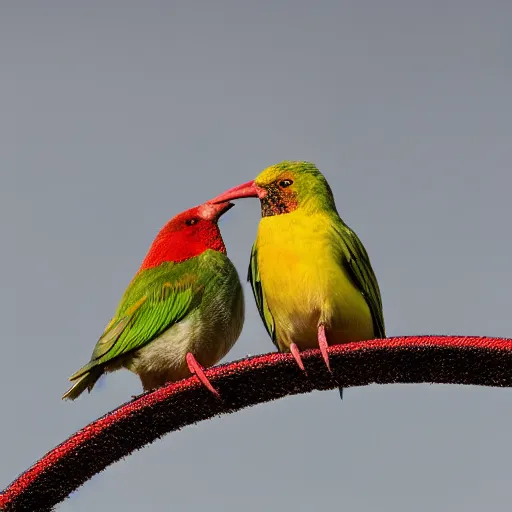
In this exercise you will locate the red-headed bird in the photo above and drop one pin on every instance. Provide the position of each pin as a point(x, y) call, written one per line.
point(311, 276)
point(183, 310)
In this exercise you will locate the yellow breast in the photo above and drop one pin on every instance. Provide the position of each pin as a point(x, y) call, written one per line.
point(305, 284)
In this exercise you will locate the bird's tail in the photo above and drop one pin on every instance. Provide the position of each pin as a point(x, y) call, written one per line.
point(341, 392)
point(85, 381)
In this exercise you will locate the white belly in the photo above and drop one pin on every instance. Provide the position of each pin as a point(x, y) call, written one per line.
point(164, 359)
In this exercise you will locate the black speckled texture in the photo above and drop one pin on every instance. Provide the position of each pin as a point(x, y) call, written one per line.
point(440, 359)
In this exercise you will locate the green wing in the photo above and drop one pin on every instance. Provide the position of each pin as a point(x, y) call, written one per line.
point(253, 277)
point(357, 263)
point(155, 300)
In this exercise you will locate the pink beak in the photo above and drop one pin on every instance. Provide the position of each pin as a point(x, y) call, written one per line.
point(249, 189)
point(213, 211)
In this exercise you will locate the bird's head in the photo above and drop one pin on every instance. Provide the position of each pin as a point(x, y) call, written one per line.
point(188, 234)
point(284, 188)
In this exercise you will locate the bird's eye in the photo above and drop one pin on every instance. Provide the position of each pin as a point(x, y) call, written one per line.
point(191, 222)
point(285, 183)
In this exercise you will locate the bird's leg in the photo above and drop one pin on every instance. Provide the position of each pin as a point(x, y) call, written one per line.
point(322, 343)
point(197, 369)
point(296, 355)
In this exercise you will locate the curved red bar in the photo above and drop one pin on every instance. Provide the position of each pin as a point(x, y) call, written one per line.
point(414, 359)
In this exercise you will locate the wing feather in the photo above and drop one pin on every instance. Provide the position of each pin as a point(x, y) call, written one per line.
point(253, 277)
point(357, 263)
point(151, 305)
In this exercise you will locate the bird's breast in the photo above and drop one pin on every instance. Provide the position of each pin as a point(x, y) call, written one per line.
point(208, 331)
point(305, 284)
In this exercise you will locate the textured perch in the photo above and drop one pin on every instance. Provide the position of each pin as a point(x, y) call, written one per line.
point(415, 359)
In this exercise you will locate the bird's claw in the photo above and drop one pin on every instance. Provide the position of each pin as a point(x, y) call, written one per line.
point(294, 349)
point(322, 343)
point(196, 369)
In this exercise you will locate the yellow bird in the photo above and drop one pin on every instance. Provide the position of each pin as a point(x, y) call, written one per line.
point(311, 275)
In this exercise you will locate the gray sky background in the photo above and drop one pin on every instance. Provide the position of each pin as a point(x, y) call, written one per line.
point(118, 115)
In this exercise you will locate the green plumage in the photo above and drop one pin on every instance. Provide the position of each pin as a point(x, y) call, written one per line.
point(204, 292)
point(356, 262)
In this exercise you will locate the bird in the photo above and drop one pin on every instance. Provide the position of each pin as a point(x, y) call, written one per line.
point(311, 276)
point(182, 311)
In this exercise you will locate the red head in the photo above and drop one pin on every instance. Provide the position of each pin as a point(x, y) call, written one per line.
point(188, 234)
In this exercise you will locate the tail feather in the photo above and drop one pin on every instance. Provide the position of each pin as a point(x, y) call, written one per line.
point(86, 381)
point(341, 393)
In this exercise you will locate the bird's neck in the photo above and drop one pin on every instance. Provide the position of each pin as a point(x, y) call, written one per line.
point(175, 248)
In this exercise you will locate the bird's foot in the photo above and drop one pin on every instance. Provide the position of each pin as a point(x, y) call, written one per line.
point(322, 343)
point(196, 369)
point(296, 355)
